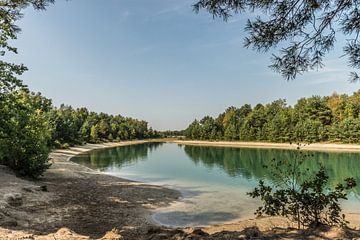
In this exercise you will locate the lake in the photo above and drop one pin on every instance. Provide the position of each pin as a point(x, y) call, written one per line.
point(213, 180)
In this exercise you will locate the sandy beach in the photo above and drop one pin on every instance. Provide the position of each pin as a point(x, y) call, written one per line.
point(329, 147)
point(87, 202)
point(74, 202)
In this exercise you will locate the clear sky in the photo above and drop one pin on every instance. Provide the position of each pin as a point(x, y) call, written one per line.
point(155, 60)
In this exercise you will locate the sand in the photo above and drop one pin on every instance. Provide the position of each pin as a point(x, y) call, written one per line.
point(84, 201)
point(80, 203)
point(333, 147)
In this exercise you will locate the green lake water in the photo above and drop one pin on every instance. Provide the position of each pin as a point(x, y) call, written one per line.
point(213, 180)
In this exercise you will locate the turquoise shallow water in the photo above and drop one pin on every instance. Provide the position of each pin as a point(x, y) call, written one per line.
point(213, 180)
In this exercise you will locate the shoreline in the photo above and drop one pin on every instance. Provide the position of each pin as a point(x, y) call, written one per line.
point(326, 147)
point(231, 224)
point(79, 203)
point(242, 223)
point(235, 223)
point(82, 203)
point(82, 149)
point(89, 147)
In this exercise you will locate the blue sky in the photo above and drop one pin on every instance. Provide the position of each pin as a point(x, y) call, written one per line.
point(155, 60)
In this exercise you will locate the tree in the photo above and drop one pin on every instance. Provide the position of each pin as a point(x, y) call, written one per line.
point(253, 126)
point(208, 128)
point(230, 121)
point(308, 29)
point(66, 126)
point(348, 131)
point(193, 131)
point(94, 134)
point(24, 134)
point(103, 128)
point(283, 118)
point(337, 104)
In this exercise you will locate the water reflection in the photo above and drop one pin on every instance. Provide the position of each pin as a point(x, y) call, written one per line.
point(246, 162)
point(118, 157)
point(207, 176)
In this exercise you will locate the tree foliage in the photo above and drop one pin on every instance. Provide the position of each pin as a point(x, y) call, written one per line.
point(77, 126)
point(308, 29)
point(10, 12)
point(24, 130)
point(24, 134)
point(333, 118)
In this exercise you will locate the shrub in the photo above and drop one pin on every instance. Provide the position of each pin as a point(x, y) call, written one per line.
point(25, 135)
point(301, 195)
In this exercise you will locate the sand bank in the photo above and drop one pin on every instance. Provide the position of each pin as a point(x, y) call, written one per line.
point(334, 147)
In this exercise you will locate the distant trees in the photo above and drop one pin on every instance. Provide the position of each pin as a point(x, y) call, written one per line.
point(169, 133)
point(334, 118)
point(77, 126)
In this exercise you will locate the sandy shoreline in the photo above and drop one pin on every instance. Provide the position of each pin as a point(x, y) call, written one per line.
point(329, 147)
point(84, 204)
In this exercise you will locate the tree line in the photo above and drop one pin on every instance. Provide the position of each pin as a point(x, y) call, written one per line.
point(332, 118)
point(78, 126)
point(30, 126)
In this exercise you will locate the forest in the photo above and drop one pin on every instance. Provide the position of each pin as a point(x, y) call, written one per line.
point(332, 118)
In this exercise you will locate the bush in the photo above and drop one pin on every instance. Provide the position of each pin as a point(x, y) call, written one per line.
point(25, 135)
point(301, 195)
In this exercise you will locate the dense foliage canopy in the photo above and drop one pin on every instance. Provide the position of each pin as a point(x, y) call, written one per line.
point(24, 133)
point(77, 126)
point(333, 118)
